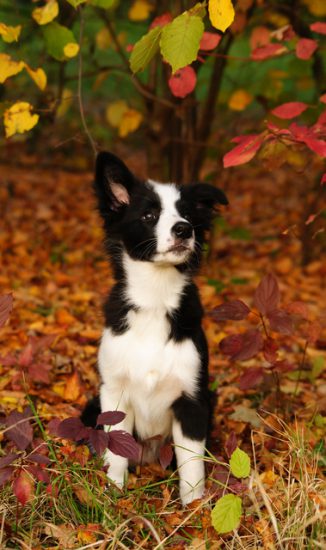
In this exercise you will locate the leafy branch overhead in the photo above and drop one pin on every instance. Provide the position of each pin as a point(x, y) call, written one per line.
point(180, 40)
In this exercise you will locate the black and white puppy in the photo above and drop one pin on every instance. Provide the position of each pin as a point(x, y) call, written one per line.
point(153, 358)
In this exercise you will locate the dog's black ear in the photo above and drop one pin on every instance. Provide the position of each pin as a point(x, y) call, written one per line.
point(205, 196)
point(113, 182)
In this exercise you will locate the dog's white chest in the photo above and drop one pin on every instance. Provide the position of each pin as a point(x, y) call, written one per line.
point(144, 367)
point(148, 370)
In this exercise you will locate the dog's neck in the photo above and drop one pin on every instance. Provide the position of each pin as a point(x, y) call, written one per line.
point(153, 286)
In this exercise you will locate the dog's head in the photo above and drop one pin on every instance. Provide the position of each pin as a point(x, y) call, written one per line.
point(155, 222)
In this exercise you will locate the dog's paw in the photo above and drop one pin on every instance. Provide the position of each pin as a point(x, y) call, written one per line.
point(117, 478)
point(188, 494)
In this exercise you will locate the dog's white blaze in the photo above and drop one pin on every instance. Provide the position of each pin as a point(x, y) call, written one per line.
point(169, 195)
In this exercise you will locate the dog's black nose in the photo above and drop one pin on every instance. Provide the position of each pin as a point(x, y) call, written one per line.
point(182, 230)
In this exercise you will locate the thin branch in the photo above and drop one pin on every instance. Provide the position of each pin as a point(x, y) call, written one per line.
point(80, 74)
point(142, 89)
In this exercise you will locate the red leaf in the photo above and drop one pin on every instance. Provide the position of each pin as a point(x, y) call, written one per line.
point(161, 20)
point(183, 82)
point(270, 50)
point(321, 120)
point(270, 350)
point(23, 488)
point(72, 428)
point(26, 356)
point(235, 310)
point(260, 36)
point(231, 344)
point(39, 474)
point(40, 373)
point(43, 342)
point(123, 444)
point(323, 179)
point(53, 426)
point(8, 459)
point(99, 440)
point(244, 152)
point(231, 444)
point(305, 48)
point(242, 347)
point(38, 458)
point(6, 305)
point(290, 110)
point(251, 378)
point(110, 418)
point(323, 97)
point(298, 308)
point(267, 294)
point(318, 27)
point(166, 455)
point(5, 474)
point(21, 431)
point(209, 41)
point(306, 135)
point(299, 132)
point(280, 321)
point(318, 146)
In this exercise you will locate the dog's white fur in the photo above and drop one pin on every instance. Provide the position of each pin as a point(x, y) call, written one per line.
point(143, 371)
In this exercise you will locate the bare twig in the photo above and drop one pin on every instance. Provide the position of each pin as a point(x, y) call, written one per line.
point(142, 89)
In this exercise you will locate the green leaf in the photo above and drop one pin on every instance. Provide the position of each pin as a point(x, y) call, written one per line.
point(240, 463)
point(145, 49)
point(180, 40)
point(105, 4)
point(226, 513)
point(76, 3)
point(318, 366)
point(57, 38)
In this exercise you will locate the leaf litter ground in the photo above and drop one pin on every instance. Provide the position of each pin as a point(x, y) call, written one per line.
point(53, 262)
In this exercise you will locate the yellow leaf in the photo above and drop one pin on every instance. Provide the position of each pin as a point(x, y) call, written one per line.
point(115, 111)
point(19, 118)
point(46, 13)
point(221, 13)
point(38, 75)
point(140, 10)
point(103, 39)
point(9, 67)
point(130, 121)
point(269, 477)
point(316, 7)
point(10, 34)
point(65, 102)
point(239, 100)
point(71, 49)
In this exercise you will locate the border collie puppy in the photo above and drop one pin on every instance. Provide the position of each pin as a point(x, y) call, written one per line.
point(153, 358)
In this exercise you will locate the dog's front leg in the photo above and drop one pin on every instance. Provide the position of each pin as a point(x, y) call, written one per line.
point(189, 454)
point(118, 465)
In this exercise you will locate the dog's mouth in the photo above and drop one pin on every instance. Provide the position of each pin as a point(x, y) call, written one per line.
point(179, 248)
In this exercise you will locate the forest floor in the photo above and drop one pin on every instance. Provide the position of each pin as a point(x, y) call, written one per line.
point(53, 262)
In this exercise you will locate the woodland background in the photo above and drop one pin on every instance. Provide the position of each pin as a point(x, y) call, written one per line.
point(230, 94)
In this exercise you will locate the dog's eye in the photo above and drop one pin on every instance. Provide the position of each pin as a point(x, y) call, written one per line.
point(149, 217)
